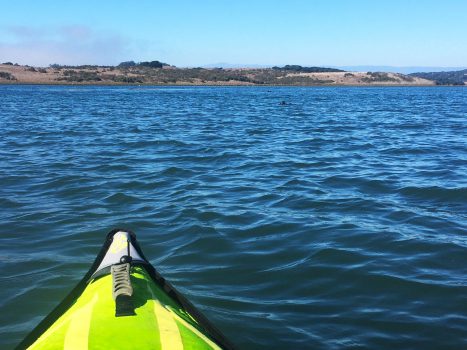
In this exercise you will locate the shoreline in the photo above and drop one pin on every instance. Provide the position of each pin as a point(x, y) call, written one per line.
point(8, 83)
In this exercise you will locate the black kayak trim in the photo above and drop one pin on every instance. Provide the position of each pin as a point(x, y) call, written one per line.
point(68, 301)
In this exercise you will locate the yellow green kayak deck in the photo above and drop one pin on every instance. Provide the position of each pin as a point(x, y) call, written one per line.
point(123, 303)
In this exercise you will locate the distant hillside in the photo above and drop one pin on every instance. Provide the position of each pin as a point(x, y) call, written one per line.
point(444, 78)
point(159, 73)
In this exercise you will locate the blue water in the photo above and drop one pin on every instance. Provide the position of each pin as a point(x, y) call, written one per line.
point(336, 221)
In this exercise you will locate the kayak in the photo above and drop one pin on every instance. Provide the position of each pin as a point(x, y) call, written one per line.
point(124, 303)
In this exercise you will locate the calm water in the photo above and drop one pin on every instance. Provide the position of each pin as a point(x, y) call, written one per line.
point(336, 221)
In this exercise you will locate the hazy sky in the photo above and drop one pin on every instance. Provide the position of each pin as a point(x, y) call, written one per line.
point(192, 33)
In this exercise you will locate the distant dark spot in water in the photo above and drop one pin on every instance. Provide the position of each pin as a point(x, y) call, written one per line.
point(283, 103)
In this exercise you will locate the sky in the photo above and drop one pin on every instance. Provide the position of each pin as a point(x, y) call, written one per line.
point(251, 32)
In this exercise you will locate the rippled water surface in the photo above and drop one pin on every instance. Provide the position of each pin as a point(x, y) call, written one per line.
point(335, 221)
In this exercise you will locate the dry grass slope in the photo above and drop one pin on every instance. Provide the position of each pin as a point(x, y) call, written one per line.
point(168, 75)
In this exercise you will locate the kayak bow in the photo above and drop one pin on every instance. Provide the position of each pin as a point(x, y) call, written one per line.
point(124, 303)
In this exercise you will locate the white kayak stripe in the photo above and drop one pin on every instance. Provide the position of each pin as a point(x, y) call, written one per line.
point(77, 335)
